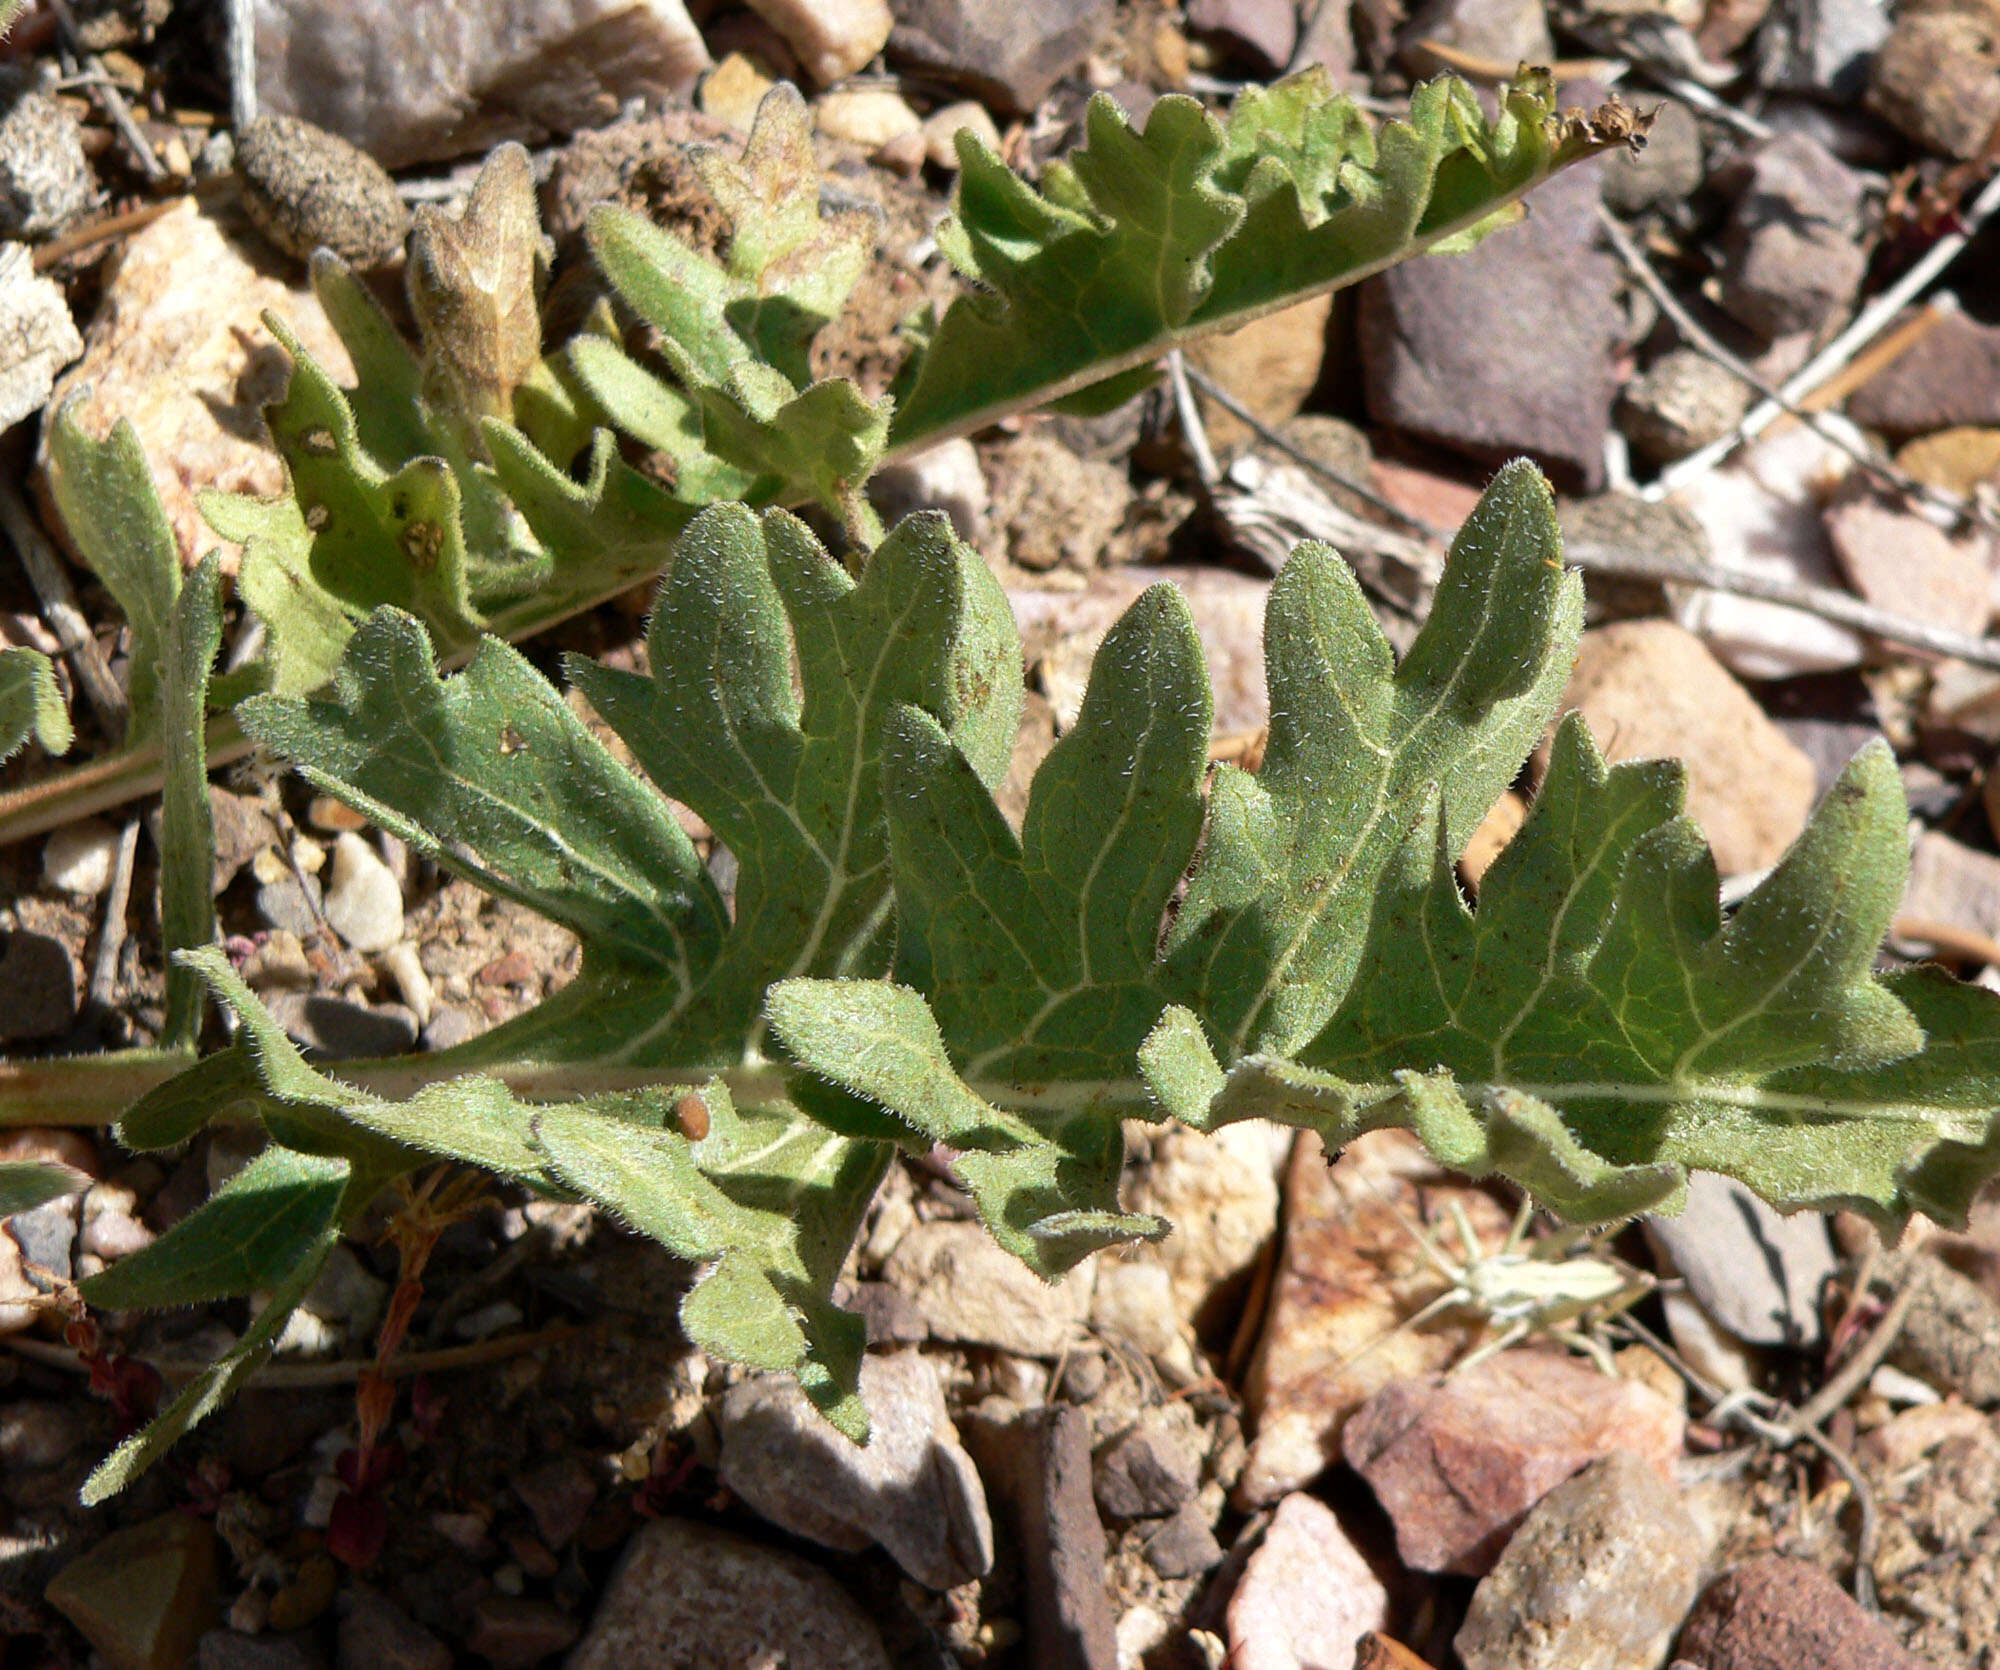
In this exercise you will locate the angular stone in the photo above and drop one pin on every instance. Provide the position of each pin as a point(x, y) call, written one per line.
point(1008, 55)
point(1790, 256)
point(1901, 561)
point(364, 903)
point(1272, 365)
point(1668, 171)
point(1826, 50)
point(1266, 31)
point(37, 336)
point(1937, 76)
point(305, 187)
point(1457, 1462)
point(1680, 403)
point(1039, 1467)
point(911, 1487)
point(968, 1289)
point(512, 1632)
point(1306, 1597)
point(1758, 1274)
point(1958, 460)
point(1952, 882)
point(340, 1030)
point(1185, 1545)
point(685, 1593)
point(225, 1649)
point(143, 1596)
point(376, 1634)
point(832, 38)
point(77, 859)
point(1649, 690)
point(37, 986)
point(1505, 32)
point(869, 117)
point(1507, 349)
point(559, 1494)
point(1949, 378)
point(1151, 1468)
point(1951, 1337)
point(1347, 1276)
point(1598, 1577)
point(178, 347)
point(418, 83)
point(1055, 509)
point(1778, 1614)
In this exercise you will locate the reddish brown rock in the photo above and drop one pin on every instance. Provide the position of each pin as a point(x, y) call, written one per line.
point(1776, 1614)
point(1457, 1462)
point(1306, 1597)
point(1902, 562)
point(1951, 377)
point(1347, 1277)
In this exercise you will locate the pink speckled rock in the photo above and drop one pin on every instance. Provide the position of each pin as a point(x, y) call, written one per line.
point(1306, 1596)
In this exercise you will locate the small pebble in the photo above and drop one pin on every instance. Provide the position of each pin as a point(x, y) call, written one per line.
point(866, 116)
point(288, 905)
point(363, 905)
point(45, 178)
point(941, 129)
point(306, 188)
point(407, 970)
point(79, 858)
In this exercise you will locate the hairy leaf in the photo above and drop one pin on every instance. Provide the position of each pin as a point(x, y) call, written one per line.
point(26, 1184)
point(187, 830)
point(31, 704)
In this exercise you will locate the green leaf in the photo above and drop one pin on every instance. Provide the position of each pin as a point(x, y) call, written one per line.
point(306, 626)
point(187, 827)
point(1360, 751)
point(26, 1184)
point(1142, 241)
point(252, 1233)
point(492, 776)
point(31, 704)
point(216, 1384)
point(104, 491)
point(215, 1087)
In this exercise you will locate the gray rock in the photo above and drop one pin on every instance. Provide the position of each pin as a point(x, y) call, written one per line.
point(376, 1634)
point(37, 987)
point(967, 1289)
point(45, 179)
point(689, 1594)
point(305, 187)
point(911, 1488)
point(243, 828)
point(224, 1649)
point(1667, 171)
point(291, 903)
point(1264, 31)
point(1758, 1274)
point(1039, 1466)
point(1680, 403)
point(1506, 31)
point(47, 1235)
point(1506, 349)
point(1949, 379)
point(340, 1030)
point(414, 83)
point(1009, 54)
point(1153, 1467)
point(1598, 1577)
point(37, 336)
point(1185, 1545)
point(1791, 259)
point(1823, 47)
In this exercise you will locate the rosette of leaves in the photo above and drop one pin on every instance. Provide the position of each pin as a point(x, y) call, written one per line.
point(900, 966)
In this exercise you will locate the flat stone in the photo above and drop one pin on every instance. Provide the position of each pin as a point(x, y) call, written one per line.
point(1504, 31)
point(1272, 365)
point(1153, 1467)
point(307, 188)
point(1754, 1271)
point(1007, 55)
point(1038, 1466)
point(143, 1596)
point(38, 992)
point(77, 859)
point(37, 336)
point(1185, 1545)
point(1348, 1275)
point(911, 1488)
point(513, 1632)
point(969, 1290)
point(45, 178)
point(1648, 689)
point(1458, 1462)
point(364, 903)
point(1779, 1614)
point(686, 1593)
point(225, 1649)
point(1598, 1577)
point(419, 83)
point(1937, 77)
point(1509, 348)
point(1949, 378)
point(1306, 1597)
point(870, 117)
point(1952, 882)
point(287, 905)
point(178, 347)
point(1958, 460)
point(1901, 561)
